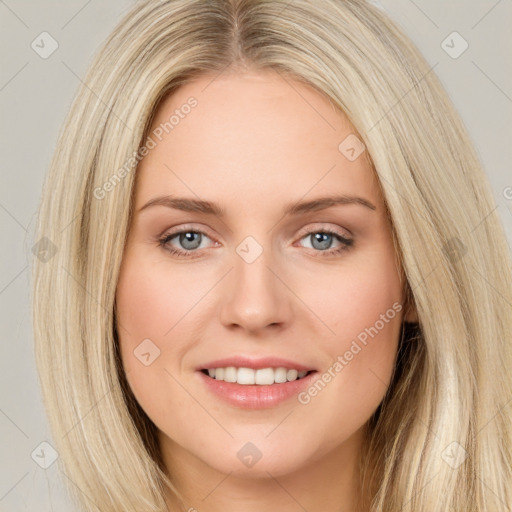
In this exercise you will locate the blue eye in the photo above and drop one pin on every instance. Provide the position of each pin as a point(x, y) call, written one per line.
point(322, 240)
point(191, 240)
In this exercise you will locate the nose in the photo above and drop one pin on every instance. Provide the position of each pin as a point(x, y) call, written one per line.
point(256, 296)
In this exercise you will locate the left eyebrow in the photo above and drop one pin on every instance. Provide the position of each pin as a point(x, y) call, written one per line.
point(323, 203)
point(206, 207)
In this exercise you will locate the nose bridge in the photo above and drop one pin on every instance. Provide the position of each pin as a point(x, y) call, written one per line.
point(256, 298)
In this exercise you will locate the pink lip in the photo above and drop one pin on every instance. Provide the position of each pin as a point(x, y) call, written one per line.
point(255, 396)
point(254, 363)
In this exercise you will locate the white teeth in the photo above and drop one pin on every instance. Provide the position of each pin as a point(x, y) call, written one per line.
point(230, 374)
point(280, 375)
point(263, 376)
point(291, 375)
point(243, 375)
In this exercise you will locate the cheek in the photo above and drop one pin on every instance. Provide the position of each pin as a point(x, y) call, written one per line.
point(144, 305)
point(149, 314)
point(371, 284)
point(363, 310)
point(150, 301)
point(355, 297)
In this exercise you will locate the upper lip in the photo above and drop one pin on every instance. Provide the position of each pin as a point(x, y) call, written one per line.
point(254, 363)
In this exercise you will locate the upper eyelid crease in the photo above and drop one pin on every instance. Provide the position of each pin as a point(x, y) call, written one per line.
point(207, 207)
point(192, 229)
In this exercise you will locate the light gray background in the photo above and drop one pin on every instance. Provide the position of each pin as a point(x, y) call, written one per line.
point(35, 94)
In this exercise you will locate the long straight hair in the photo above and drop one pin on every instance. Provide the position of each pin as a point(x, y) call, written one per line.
point(441, 439)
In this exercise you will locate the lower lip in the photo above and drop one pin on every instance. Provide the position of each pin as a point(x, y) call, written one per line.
point(256, 396)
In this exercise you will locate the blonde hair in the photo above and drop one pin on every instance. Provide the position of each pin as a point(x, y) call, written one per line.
point(451, 387)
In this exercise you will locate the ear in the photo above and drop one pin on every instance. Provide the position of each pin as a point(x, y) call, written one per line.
point(411, 314)
point(410, 311)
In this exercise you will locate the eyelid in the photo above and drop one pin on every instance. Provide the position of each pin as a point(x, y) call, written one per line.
point(187, 227)
point(319, 226)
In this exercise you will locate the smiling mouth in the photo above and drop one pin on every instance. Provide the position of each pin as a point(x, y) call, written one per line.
point(249, 376)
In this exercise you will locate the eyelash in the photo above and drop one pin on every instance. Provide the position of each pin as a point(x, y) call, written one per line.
point(164, 240)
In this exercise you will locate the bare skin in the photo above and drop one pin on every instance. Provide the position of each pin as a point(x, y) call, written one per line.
point(253, 145)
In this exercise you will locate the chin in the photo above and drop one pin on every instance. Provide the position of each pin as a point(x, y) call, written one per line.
point(249, 461)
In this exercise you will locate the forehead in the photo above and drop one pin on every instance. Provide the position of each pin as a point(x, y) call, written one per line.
point(259, 103)
point(254, 132)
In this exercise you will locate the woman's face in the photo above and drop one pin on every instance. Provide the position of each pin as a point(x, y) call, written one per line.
point(266, 274)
